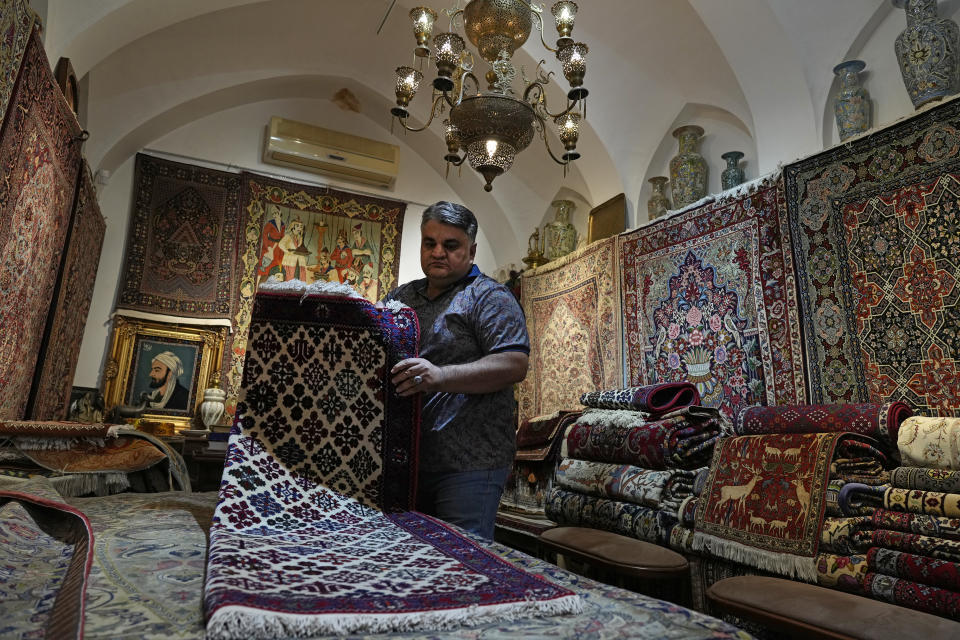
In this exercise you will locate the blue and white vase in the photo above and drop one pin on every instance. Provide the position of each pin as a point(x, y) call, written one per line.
point(851, 106)
point(733, 174)
point(688, 169)
point(927, 52)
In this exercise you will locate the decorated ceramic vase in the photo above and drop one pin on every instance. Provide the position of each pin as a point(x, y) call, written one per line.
point(688, 169)
point(733, 174)
point(212, 407)
point(851, 106)
point(562, 234)
point(927, 52)
point(658, 204)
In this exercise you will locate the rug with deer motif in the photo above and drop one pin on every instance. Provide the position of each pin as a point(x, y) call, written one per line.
point(764, 499)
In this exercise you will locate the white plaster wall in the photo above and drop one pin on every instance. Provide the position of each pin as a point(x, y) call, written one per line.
point(232, 140)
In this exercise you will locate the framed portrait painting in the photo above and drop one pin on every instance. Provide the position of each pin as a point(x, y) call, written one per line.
point(162, 369)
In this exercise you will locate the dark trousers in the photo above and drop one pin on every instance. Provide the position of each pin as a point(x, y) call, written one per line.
point(468, 499)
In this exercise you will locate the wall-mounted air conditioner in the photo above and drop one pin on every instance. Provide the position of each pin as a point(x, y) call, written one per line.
point(331, 153)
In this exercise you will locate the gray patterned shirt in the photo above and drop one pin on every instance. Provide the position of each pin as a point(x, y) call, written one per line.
point(475, 317)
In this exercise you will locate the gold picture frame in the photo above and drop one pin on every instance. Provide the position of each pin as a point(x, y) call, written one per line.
point(607, 219)
point(188, 356)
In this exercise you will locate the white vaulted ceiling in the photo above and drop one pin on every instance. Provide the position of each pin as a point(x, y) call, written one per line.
point(755, 73)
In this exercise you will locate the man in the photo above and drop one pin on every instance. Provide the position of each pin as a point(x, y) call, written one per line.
point(165, 371)
point(362, 246)
point(473, 348)
point(293, 262)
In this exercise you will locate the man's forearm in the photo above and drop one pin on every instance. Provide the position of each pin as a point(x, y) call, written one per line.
point(486, 375)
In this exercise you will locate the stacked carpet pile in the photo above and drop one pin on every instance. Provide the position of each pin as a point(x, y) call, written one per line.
point(900, 541)
point(89, 459)
point(313, 534)
point(631, 461)
point(523, 504)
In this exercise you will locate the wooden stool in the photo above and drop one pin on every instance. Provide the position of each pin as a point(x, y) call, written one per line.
point(657, 571)
point(801, 610)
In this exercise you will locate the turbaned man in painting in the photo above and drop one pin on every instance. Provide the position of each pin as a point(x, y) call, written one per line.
point(165, 371)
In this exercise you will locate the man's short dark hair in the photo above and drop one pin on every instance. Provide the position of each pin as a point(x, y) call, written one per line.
point(456, 215)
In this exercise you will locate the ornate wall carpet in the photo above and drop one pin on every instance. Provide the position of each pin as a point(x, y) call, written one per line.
point(875, 228)
point(181, 252)
point(843, 572)
point(61, 349)
point(654, 400)
point(930, 571)
point(923, 524)
point(877, 421)
point(764, 501)
point(933, 503)
point(311, 536)
point(272, 207)
point(930, 442)
point(40, 157)
point(926, 479)
point(16, 23)
point(909, 594)
point(50, 531)
point(570, 508)
point(627, 483)
point(573, 315)
point(682, 440)
point(709, 298)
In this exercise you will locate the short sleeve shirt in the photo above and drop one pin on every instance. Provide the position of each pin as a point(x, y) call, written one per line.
point(475, 317)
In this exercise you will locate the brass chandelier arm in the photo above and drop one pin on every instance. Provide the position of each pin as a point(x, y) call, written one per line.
point(433, 114)
point(476, 83)
point(536, 14)
point(540, 100)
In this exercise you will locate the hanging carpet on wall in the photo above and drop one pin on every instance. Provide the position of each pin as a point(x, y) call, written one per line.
point(709, 298)
point(16, 24)
point(572, 306)
point(58, 361)
point(876, 231)
point(316, 235)
point(40, 157)
point(312, 535)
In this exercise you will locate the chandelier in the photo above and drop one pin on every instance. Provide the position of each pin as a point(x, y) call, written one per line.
point(491, 127)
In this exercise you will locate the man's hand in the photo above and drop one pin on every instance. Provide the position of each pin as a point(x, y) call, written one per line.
point(416, 375)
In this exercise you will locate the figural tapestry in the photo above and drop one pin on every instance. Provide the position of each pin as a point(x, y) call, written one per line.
point(709, 298)
point(572, 306)
point(58, 360)
point(40, 155)
point(876, 229)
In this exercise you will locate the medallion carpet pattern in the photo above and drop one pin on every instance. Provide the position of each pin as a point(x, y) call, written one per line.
point(708, 299)
point(40, 156)
point(763, 503)
point(881, 422)
point(311, 535)
point(573, 315)
point(876, 230)
point(58, 361)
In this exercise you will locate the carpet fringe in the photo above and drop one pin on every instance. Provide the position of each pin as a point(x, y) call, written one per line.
point(81, 484)
point(28, 443)
point(242, 622)
point(785, 564)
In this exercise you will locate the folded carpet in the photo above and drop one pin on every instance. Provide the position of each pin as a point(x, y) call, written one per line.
point(930, 442)
point(912, 595)
point(917, 568)
point(311, 535)
point(654, 399)
point(934, 503)
point(875, 420)
point(923, 524)
point(764, 501)
point(664, 489)
point(683, 439)
point(843, 572)
point(926, 479)
point(569, 508)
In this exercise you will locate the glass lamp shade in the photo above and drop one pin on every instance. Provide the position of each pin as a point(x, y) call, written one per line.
point(423, 19)
point(490, 158)
point(564, 12)
point(452, 137)
point(568, 127)
point(447, 49)
point(573, 57)
point(408, 81)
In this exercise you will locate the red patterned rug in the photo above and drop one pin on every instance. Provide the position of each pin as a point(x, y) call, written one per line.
point(877, 421)
point(875, 227)
point(707, 299)
point(40, 159)
point(573, 316)
point(16, 23)
point(764, 499)
point(61, 349)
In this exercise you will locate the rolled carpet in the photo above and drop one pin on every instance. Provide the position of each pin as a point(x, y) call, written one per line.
point(930, 442)
point(912, 595)
point(654, 399)
point(917, 568)
point(880, 421)
point(926, 479)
